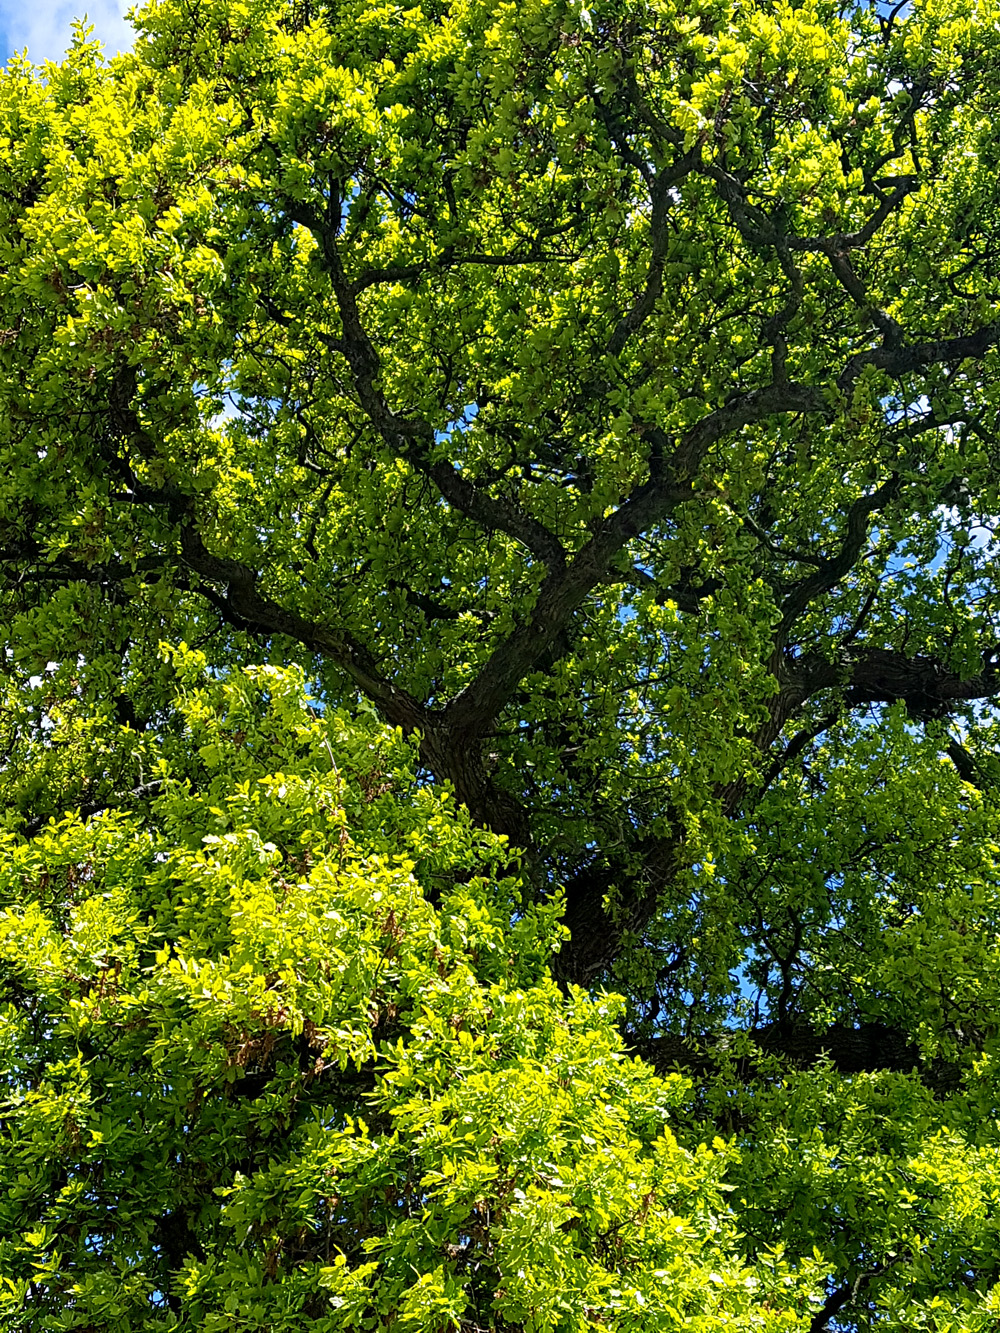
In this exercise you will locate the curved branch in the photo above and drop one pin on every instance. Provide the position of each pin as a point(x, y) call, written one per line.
point(966, 767)
point(250, 608)
point(645, 302)
point(832, 570)
point(411, 438)
point(903, 358)
point(474, 709)
point(869, 675)
point(844, 1295)
point(924, 684)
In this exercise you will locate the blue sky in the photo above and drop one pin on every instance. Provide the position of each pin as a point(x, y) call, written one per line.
point(43, 26)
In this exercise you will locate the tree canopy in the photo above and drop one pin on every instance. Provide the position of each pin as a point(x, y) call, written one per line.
point(498, 537)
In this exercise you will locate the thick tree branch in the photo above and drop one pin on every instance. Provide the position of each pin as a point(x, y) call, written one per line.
point(868, 675)
point(759, 229)
point(840, 262)
point(795, 747)
point(641, 874)
point(776, 327)
point(832, 570)
point(563, 592)
point(903, 358)
point(645, 302)
point(842, 1296)
point(252, 608)
point(864, 1049)
point(863, 675)
point(393, 273)
point(967, 768)
point(450, 755)
point(233, 589)
point(411, 438)
point(924, 684)
point(843, 243)
point(241, 600)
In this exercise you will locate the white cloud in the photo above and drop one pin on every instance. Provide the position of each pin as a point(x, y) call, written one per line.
point(43, 26)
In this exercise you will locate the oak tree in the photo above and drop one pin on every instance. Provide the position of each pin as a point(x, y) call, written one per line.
point(566, 438)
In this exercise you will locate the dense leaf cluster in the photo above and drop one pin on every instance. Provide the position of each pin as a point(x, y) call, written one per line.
point(287, 1054)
